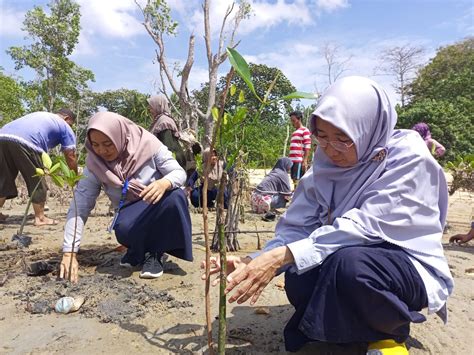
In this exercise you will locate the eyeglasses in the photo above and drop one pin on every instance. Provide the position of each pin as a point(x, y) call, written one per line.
point(339, 146)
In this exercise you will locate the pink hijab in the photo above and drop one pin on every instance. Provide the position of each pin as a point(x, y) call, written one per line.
point(135, 146)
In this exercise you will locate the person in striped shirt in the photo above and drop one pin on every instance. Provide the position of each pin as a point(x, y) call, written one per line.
point(300, 147)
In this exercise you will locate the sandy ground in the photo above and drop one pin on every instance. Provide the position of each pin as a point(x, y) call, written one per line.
point(124, 314)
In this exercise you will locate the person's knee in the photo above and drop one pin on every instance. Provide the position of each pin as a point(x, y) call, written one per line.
point(350, 266)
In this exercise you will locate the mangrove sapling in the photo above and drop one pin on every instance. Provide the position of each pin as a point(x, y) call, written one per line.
point(48, 169)
point(71, 178)
point(218, 116)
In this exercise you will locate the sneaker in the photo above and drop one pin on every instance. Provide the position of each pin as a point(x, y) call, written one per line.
point(269, 217)
point(128, 260)
point(152, 267)
point(387, 347)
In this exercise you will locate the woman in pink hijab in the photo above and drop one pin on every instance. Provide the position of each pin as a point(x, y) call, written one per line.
point(142, 179)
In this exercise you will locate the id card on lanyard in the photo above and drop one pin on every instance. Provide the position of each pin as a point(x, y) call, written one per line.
point(121, 203)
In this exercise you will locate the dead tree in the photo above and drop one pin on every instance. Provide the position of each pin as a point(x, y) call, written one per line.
point(402, 63)
point(158, 23)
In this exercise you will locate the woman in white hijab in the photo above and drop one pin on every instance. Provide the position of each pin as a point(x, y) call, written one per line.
point(361, 241)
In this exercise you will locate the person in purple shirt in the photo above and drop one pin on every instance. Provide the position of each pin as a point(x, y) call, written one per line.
point(22, 142)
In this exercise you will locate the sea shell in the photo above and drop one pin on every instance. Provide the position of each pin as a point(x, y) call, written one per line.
point(69, 304)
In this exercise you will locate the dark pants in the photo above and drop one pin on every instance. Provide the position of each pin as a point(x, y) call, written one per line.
point(14, 158)
point(297, 171)
point(157, 228)
point(358, 294)
point(196, 197)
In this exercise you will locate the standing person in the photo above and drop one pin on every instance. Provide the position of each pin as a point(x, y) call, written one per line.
point(141, 178)
point(436, 148)
point(300, 147)
point(164, 127)
point(274, 190)
point(22, 142)
point(360, 244)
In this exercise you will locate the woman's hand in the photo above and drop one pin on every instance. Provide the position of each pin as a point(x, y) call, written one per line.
point(462, 238)
point(255, 276)
point(64, 272)
point(155, 191)
point(233, 263)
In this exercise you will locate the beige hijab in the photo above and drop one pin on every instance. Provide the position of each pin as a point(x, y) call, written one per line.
point(216, 170)
point(135, 145)
point(162, 119)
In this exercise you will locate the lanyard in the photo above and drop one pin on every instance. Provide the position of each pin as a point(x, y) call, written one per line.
point(121, 203)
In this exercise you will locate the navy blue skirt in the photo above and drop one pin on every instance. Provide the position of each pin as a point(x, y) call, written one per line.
point(164, 227)
point(358, 294)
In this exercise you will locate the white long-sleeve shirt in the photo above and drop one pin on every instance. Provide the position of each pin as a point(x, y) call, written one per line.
point(162, 165)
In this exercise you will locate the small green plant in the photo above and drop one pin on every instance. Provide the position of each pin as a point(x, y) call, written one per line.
point(233, 134)
point(61, 174)
point(462, 170)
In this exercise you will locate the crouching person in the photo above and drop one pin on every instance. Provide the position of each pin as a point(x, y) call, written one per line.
point(141, 178)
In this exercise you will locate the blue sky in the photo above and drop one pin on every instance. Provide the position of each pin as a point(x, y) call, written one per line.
point(288, 34)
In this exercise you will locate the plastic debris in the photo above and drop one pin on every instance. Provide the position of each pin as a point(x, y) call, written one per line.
point(67, 305)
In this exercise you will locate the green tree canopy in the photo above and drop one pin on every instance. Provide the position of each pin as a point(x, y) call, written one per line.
point(11, 93)
point(54, 37)
point(443, 98)
point(262, 77)
point(449, 74)
point(129, 103)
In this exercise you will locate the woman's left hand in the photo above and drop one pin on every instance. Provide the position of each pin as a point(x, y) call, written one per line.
point(255, 276)
point(155, 191)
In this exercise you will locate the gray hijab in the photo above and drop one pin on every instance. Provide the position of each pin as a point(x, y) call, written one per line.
point(277, 180)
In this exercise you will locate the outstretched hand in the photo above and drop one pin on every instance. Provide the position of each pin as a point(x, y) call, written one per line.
point(64, 272)
point(155, 191)
point(462, 238)
point(248, 278)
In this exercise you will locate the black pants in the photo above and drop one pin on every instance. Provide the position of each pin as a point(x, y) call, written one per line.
point(164, 227)
point(358, 294)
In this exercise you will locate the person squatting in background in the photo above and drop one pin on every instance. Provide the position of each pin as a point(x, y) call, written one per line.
point(274, 190)
point(436, 148)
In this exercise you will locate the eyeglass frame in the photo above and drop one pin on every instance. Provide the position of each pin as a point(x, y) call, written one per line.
point(339, 146)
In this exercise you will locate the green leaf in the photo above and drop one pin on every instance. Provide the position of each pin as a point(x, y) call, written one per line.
point(242, 68)
point(215, 113)
point(58, 180)
point(54, 168)
point(240, 115)
point(299, 95)
point(225, 118)
point(241, 96)
point(47, 163)
point(233, 90)
point(39, 172)
point(65, 169)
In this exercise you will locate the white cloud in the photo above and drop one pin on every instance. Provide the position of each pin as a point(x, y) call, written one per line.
point(331, 5)
point(110, 18)
point(11, 22)
point(84, 47)
point(264, 14)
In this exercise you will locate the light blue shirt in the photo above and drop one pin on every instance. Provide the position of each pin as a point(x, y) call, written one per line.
point(40, 131)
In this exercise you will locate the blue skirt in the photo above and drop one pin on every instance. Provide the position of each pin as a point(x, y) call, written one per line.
point(164, 227)
point(358, 294)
